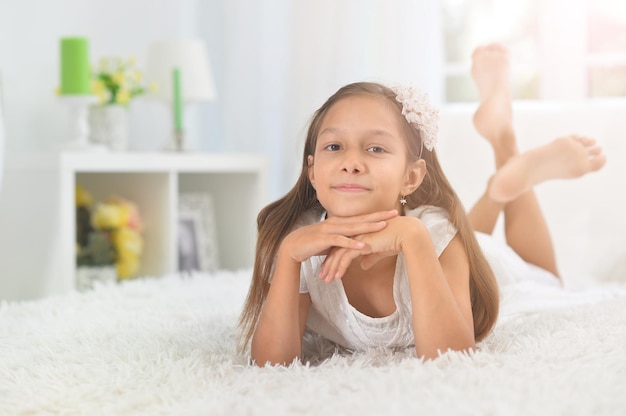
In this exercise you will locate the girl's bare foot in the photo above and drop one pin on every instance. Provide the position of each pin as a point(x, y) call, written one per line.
point(494, 117)
point(564, 158)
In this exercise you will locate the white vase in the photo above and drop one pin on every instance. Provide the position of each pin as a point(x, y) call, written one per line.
point(88, 276)
point(108, 125)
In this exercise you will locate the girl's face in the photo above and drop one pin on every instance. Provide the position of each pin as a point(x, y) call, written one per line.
point(360, 163)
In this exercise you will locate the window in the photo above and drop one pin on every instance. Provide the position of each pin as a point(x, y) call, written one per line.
point(560, 49)
point(607, 48)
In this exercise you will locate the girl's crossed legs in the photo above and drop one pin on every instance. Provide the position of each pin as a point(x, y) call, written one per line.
point(510, 189)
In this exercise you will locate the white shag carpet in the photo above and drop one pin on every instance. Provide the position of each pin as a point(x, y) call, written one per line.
point(166, 346)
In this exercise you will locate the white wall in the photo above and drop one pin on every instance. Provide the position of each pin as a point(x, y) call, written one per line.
point(274, 62)
point(29, 54)
point(278, 60)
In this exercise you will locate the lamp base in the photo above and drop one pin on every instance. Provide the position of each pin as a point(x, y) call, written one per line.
point(177, 144)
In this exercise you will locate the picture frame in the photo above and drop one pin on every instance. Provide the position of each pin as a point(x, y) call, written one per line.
point(196, 233)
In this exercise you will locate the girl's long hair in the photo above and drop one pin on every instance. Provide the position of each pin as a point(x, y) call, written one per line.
point(277, 219)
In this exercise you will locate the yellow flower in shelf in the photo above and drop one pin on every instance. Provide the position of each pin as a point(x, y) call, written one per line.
point(107, 216)
point(109, 234)
point(83, 198)
point(128, 243)
point(127, 268)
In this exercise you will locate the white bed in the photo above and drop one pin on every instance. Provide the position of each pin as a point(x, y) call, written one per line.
point(586, 216)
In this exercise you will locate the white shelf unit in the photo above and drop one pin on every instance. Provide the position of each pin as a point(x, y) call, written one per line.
point(37, 210)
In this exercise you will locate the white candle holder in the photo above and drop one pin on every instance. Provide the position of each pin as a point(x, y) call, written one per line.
point(78, 106)
point(177, 142)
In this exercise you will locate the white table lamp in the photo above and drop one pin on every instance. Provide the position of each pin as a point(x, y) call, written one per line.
point(181, 70)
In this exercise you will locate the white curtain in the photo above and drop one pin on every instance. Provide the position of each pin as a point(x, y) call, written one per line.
point(277, 61)
point(1, 134)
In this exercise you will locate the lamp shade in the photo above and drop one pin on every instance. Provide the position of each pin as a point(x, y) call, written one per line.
point(191, 59)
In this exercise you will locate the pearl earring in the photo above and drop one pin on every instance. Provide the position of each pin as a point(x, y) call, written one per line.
point(403, 200)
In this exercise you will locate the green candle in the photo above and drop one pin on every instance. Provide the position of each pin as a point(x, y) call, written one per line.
point(75, 73)
point(177, 101)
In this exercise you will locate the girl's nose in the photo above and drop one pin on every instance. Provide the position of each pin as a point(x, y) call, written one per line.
point(352, 163)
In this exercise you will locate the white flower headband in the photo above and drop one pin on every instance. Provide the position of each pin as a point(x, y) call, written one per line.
point(418, 111)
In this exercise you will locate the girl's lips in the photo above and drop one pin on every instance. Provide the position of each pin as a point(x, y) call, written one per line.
point(349, 187)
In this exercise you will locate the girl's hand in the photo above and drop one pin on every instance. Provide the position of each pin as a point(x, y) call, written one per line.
point(379, 244)
point(319, 238)
point(390, 241)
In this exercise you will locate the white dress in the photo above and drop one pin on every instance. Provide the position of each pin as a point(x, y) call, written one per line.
point(332, 316)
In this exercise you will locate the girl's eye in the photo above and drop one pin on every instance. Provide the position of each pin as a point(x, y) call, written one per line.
point(376, 149)
point(333, 147)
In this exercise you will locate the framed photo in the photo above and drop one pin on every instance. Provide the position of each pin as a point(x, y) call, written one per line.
point(197, 237)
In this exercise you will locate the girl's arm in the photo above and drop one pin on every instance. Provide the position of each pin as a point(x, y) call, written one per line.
point(278, 335)
point(440, 296)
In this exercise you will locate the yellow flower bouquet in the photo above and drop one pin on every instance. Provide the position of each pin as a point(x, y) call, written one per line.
point(117, 81)
point(108, 234)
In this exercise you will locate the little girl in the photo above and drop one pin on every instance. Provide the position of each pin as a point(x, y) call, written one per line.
point(372, 246)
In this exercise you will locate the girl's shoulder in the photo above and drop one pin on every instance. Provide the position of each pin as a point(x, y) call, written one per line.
point(437, 222)
point(428, 212)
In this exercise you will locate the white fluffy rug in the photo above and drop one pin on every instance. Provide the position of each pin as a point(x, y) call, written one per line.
point(166, 346)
